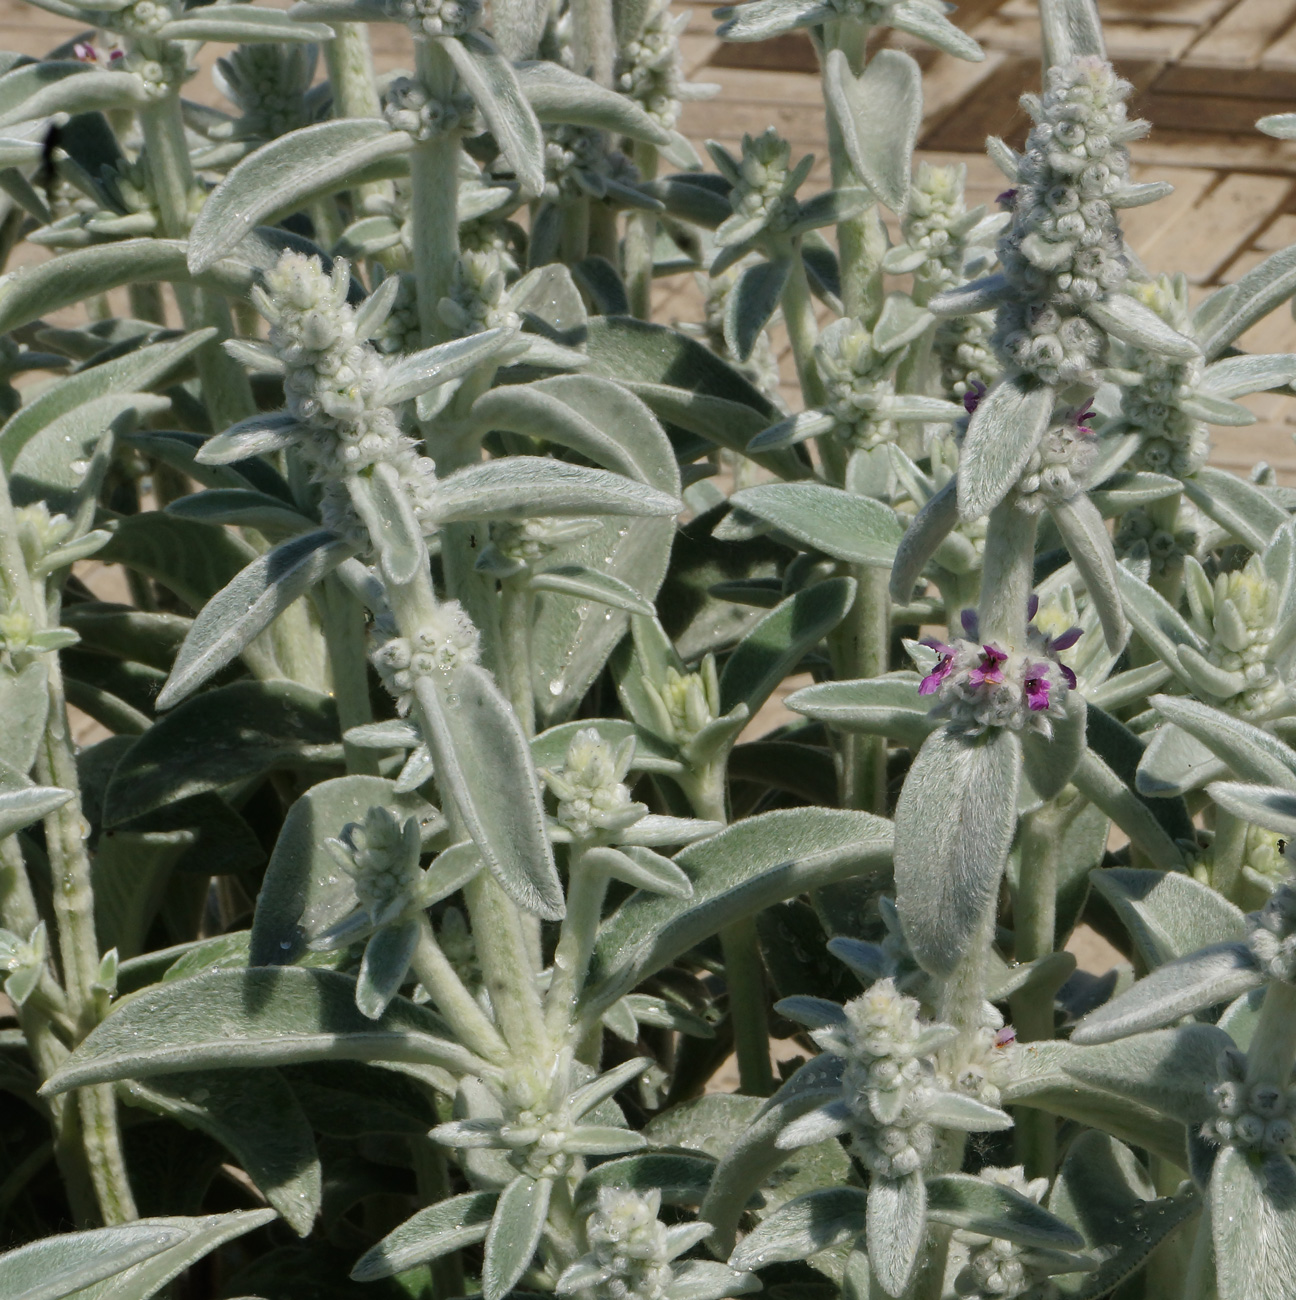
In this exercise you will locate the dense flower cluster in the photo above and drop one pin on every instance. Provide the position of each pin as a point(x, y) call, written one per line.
point(1064, 248)
point(1271, 934)
point(333, 385)
point(1057, 469)
point(1238, 625)
point(858, 384)
point(650, 69)
point(967, 361)
point(998, 1269)
point(268, 82)
point(579, 162)
point(160, 71)
point(478, 295)
point(761, 367)
point(517, 545)
point(401, 331)
point(590, 786)
point(1139, 533)
point(764, 187)
point(685, 702)
point(142, 18)
point(934, 224)
point(1172, 441)
point(444, 644)
point(1254, 1117)
point(630, 1254)
point(382, 856)
point(440, 17)
point(982, 685)
point(409, 107)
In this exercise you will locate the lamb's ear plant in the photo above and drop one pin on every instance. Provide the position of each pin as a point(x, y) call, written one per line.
point(427, 855)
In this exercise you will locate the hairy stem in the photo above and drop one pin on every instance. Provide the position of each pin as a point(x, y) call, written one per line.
point(1007, 574)
point(803, 330)
point(434, 181)
point(641, 240)
point(586, 891)
point(860, 647)
point(517, 612)
point(344, 634)
point(226, 390)
point(456, 1004)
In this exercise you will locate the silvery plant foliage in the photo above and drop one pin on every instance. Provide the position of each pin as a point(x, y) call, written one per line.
point(434, 908)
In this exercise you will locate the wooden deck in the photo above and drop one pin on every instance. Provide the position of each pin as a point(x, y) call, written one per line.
point(1203, 72)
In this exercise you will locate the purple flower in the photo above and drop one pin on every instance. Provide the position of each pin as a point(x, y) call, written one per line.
point(972, 398)
point(990, 670)
point(1007, 199)
point(971, 622)
point(1086, 412)
point(931, 683)
point(1037, 687)
point(1067, 676)
point(85, 52)
point(1032, 607)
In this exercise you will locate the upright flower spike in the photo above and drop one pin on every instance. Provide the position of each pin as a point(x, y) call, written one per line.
point(592, 796)
point(269, 83)
point(632, 1255)
point(650, 68)
point(1061, 291)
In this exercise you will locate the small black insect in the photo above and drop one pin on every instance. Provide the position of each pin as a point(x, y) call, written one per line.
point(47, 173)
point(1282, 847)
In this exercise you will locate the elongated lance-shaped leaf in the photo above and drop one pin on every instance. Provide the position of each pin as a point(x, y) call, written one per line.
point(61, 1265)
point(557, 94)
point(520, 487)
point(1232, 311)
point(241, 24)
point(1253, 1225)
point(30, 292)
point(256, 1116)
point(590, 584)
point(922, 539)
point(877, 116)
point(283, 175)
point(490, 79)
point(20, 808)
point(977, 1205)
point(514, 1233)
point(1001, 437)
point(1179, 988)
point(1237, 376)
point(246, 607)
point(751, 303)
point(80, 89)
point(267, 1015)
point(804, 1226)
point(1086, 537)
point(760, 19)
point(1261, 805)
point(387, 512)
point(750, 865)
point(449, 1225)
point(897, 1227)
point(954, 827)
point(1233, 503)
point(417, 373)
point(847, 527)
point(483, 762)
point(134, 372)
point(1168, 914)
point(1253, 754)
point(876, 706)
point(771, 649)
point(242, 507)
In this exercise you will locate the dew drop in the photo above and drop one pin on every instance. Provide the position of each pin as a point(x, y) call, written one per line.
point(556, 686)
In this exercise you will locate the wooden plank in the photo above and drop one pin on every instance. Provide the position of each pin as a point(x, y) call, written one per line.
point(1125, 40)
point(1251, 152)
point(1202, 241)
point(1241, 36)
point(949, 81)
point(1280, 233)
point(1192, 13)
point(989, 108)
point(1187, 78)
point(1144, 226)
point(1208, 114)
point(791, 52)
point(1280, 57)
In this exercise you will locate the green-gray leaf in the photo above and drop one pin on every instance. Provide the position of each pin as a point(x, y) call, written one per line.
point(267, 1015)
point(449, 1225)
point(954, 827)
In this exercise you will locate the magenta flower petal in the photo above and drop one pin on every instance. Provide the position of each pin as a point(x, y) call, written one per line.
point(972, 398)
point(990, 670)
point(1067, 676)
point(1065, 640)
point(931, 683)
point(1032, 607)
point(971, 623)
point(1037, 687)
